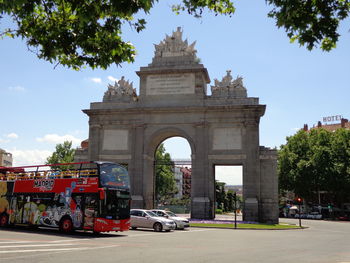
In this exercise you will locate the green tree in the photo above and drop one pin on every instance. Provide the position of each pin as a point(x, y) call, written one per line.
point(230, 201)
point(63, 154)
point(316, 161)
point(293, 166)
point(311, 22)
point(165, 185)
point(220, 195)
point(225, 200)
point(339, 184)
point(78, 33)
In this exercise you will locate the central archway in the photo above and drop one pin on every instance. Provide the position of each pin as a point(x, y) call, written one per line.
point(172, 175)
point(155, 140)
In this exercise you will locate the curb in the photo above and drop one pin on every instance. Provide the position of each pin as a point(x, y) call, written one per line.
point(303, 227)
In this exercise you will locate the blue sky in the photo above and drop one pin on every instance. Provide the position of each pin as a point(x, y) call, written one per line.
point(41, 106)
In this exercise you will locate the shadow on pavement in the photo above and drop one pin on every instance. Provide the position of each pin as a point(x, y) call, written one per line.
point(55, 232)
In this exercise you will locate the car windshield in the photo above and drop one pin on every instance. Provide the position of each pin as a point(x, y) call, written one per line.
point(169, 213)
point(114, 176)
point(150, 213)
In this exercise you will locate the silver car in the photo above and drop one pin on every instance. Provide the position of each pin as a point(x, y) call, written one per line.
point(181, 222)
point(141, 218)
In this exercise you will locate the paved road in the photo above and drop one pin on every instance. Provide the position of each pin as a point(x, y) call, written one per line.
point(322, 242)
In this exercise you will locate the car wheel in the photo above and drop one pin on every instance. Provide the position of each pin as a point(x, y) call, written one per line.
point(133, 227)
point(158, 227)
point(3, 220)
point(66, 225)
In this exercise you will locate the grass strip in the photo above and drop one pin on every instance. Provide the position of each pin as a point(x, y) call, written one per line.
point(247, 226)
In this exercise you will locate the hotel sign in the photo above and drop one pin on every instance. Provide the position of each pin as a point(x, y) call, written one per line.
point(332, 118)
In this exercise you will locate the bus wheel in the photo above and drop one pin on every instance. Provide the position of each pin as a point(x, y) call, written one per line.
point(3, 220)
point(66, 225)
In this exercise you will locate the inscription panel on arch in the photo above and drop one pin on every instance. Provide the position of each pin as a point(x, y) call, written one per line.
point(170, 84)
point(115, 139)
point(227, 139)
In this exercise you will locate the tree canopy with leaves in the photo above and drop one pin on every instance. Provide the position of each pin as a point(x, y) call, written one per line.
point(225, 200)
point(311, 22)
point(78, 33)
point(63, 154)
point(315, 161)
point(165, 186)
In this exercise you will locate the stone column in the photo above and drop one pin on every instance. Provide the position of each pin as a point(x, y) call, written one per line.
point(269, 186)
point(95, 142)
point(202, 189)
point(251, 178)
point(148, 181)
point(136, 167)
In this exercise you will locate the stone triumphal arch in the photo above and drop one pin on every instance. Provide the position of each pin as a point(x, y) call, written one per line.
point(221, 128)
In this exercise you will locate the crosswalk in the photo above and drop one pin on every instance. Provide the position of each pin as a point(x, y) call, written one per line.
point(21, 246)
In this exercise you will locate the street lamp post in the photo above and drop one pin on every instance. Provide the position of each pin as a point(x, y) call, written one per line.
point(235, 200)
point(299, 200)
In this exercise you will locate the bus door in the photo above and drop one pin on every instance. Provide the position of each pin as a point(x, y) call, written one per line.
point(13, 209)
point(17, 209)
point(90, 210)
point(29, 210)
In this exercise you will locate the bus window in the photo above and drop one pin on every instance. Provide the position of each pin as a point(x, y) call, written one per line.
point(114, 176)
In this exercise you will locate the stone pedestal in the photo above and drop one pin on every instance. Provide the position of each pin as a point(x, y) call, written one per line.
point(202, 208)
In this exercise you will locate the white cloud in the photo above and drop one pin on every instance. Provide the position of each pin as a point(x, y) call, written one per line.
point(112, 79)
point(12, 135)
point(16, 88)
point(4, 141)
point(96, 80)
point(55, 138)
point(29, 157)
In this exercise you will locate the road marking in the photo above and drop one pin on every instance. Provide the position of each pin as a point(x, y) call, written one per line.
point(38, 245)
point(69, 240)
point(38, 241)
point(54, 249)
point(17, 242)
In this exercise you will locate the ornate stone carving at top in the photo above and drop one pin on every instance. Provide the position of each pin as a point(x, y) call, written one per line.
point(228, 87)
point(120, 91)
point(173, 50)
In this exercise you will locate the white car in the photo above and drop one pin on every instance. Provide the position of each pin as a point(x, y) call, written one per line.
point(181, 222)
point(314, 215)
point(141, 218)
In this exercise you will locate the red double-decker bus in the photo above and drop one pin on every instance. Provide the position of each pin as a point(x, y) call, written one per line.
point(92, 196)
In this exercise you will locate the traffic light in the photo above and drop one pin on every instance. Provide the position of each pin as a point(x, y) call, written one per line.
point(299, 200)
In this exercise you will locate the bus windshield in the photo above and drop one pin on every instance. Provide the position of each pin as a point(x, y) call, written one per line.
point(114, 176)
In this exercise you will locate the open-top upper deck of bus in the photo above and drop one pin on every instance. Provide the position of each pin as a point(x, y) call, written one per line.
point(109, 174)
point(50, 171)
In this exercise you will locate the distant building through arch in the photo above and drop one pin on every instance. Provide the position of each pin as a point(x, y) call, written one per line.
point(221, 129)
